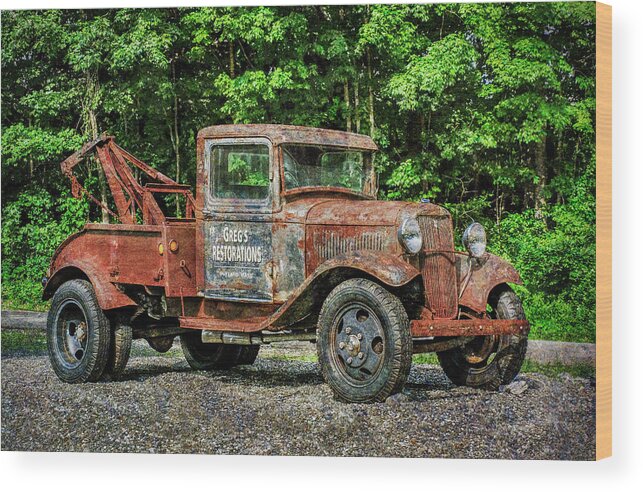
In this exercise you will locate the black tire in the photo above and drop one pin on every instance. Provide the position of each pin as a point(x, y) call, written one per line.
point(208, 356)
point(120, 347)
point(506, 356)
point(361, 317)
point(78, 336)
point(248, 355)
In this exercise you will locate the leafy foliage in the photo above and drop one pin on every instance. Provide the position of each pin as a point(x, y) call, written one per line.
point(486, 108)
point(33, 226)
point(556, 258)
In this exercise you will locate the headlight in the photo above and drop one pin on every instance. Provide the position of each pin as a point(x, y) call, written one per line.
point(475, 240)
point(410, 236)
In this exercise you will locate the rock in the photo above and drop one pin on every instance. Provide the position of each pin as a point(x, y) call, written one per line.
point(566, 377)
point(396, 399)
point(517, 387)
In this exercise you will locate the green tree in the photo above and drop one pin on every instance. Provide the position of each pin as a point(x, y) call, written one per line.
point(486, 108)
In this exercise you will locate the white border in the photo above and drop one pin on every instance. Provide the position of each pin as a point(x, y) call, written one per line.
point(121, 472)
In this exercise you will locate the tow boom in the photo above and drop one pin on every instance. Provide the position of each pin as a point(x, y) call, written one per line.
point(128, 193)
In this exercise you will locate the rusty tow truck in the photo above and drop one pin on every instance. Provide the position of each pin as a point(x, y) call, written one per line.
point(284, 240)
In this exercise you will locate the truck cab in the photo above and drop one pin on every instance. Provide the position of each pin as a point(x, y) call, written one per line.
point(285, 239)
point(257, 184)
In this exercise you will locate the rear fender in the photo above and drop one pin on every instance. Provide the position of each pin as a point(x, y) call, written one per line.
point(384, 268)
point(483, 275)
point(107, 294)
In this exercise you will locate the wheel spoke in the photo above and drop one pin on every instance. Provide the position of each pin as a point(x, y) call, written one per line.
point(349, 319)
point(371, 363)
point(354, 372)
point(371, 334)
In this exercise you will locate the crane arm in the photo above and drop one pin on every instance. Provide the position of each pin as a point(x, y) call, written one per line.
point(126, 190)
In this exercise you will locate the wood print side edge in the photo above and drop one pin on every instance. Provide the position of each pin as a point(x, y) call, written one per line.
point(603, 231)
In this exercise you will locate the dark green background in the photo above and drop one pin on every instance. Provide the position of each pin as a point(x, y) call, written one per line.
point(486, 108)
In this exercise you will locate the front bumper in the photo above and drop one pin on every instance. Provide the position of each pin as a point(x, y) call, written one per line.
point(422, 328)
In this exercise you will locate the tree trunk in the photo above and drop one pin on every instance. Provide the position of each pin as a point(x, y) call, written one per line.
point(93, 123)
point(89, 103)
point(371, 103)
point(500, 204)
point(559, 168)
point(175, 140)
point(357, 119)
point(422, 132)
point(414, 133)
point(231, 58)
point(541, 173)
point(347, 103)
point(30, 156)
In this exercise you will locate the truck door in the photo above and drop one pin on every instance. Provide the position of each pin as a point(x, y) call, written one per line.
point(237, 220)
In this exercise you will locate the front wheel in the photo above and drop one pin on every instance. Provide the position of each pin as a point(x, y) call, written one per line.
point(489, 361)
point(364, 343)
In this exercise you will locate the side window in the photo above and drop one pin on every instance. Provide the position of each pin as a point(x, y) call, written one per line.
point(240, 172)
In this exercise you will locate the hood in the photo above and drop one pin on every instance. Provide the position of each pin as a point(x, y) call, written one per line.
point(368, 212)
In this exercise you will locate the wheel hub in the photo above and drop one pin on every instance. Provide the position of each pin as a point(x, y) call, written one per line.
point(75, 336)
point(353, 345)
point(359, 343)
point(478, 351)
point(350, 346)
point(81, 331)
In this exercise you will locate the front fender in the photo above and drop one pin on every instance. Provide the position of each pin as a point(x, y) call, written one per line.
point(385, 267)
point(388, 269)
point(486, 273)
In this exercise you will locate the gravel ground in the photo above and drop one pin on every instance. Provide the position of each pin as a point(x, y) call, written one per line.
point(281, 407)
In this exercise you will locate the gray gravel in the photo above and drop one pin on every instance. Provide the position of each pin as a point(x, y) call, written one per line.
point(282, 407)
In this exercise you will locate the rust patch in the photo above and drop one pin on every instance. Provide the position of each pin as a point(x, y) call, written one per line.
point(279, 134)
point(468, 327)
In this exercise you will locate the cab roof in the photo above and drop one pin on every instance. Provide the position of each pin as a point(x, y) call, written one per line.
point(279, 134)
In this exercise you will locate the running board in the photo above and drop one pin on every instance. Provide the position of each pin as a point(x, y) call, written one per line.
point(236, 338)
point(253, 327)
point(216, 324)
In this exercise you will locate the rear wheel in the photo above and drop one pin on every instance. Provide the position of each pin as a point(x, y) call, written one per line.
point(78, 336)
point(207, 356)
point(120, 347)
point(248, 355)
point(364, 343)
point(489, 361)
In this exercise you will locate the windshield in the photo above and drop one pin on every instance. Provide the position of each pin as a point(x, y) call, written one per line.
point(328, 167)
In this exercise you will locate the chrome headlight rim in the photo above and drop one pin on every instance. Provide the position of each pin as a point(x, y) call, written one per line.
point(474, 239)
point(410, 235)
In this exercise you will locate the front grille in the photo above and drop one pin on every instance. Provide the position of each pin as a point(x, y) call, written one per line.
point(438, 265)
point(329, 244)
